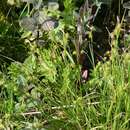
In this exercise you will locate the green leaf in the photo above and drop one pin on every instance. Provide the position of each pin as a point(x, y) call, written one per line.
point(21, 80)
point(30, 64)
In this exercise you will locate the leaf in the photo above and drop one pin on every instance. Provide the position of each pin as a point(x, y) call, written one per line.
point(53, 5)
point(27, 23)
point(126, 5)
point(21, 81)
point(39, 17)
point(47, 67)
point(26, 34)
point(30, 64)
point(11, 2)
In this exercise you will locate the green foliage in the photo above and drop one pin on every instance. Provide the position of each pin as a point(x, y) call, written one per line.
point(45, 91)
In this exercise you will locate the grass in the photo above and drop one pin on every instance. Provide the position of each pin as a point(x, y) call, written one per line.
point(57, 101)
point(44, 91)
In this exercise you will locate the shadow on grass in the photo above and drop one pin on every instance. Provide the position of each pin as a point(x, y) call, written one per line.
point(12, 48)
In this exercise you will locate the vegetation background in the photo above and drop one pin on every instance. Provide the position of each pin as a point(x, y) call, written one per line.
point(64, 65)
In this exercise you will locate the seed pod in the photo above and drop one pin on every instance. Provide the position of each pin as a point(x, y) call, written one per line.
point(49, 24)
